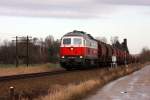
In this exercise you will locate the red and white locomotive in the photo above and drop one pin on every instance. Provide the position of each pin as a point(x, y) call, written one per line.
point(79, 49)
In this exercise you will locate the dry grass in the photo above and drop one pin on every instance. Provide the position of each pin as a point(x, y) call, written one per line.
point(72, 91)
point(11, 70)
point(78, 91)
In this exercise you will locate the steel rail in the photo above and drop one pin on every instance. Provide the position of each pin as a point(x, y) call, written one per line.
point(30, 75)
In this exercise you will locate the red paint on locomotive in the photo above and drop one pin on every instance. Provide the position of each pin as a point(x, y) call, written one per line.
point(72, 51)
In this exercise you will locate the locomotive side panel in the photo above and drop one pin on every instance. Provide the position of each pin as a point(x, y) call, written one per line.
point(91, 51)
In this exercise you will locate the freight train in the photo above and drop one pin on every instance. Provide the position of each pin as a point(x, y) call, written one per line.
point(80, 50)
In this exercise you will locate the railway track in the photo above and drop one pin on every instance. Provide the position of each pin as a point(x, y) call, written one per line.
point(36, 75)
point(31, 75)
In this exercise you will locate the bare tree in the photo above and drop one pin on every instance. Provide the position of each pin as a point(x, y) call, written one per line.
point(103, 39)
point(114, 39)
point(7, 52)
point(145, 54)
point(52, 48)
point(49, 40)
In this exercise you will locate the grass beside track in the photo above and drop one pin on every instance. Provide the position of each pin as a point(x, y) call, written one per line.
point(6, 70)
point(78, 91)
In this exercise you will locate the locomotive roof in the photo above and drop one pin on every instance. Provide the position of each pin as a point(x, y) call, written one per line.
point(79, 33)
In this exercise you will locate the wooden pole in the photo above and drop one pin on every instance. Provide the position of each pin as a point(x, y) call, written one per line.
point(16, 51)
point(11, 93)
point(27, 51)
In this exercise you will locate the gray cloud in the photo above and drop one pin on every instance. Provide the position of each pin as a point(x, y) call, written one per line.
point(126, 2)
point(64, 8)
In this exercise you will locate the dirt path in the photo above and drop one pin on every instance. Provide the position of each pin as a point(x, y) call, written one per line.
point(132, 87)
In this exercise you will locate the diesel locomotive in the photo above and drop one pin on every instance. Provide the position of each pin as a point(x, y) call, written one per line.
point(79, 50)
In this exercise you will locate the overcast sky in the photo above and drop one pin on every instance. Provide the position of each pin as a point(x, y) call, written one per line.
point(105, 18)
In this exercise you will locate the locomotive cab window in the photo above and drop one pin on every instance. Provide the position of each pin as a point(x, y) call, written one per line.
point(77, 41)
point(67, 41)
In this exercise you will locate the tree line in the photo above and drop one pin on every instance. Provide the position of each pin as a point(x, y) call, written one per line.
point(40, 51)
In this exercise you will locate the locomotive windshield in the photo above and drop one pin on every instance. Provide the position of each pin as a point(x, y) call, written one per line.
point(67, 41)
point(72, 41)
point(77, 41)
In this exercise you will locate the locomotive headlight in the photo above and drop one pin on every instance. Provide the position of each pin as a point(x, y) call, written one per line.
point(62, 57)
point(81, 56)
point(71, 48)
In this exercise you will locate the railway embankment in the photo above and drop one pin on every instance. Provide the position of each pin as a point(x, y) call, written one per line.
point(68, 86)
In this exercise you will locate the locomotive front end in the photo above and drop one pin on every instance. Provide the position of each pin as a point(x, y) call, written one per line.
point(72, 51)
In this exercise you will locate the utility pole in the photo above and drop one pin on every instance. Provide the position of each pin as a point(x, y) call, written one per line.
point(18, 40)
point(16, 51)
point(16, 57)
point(27, 51)
point(28, 47)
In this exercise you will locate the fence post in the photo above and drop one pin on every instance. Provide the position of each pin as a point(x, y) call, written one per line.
point(11, 92)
